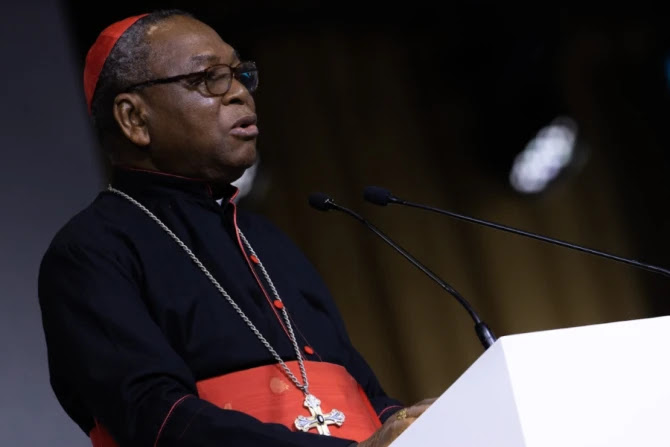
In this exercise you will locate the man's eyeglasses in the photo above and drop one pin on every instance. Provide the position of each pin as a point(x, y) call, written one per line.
point(217, 78)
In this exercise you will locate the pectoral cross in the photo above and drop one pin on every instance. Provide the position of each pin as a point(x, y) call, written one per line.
point(318, 420)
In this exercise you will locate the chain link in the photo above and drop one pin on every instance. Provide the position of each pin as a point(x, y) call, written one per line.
point(304, 387)
point(292, 336)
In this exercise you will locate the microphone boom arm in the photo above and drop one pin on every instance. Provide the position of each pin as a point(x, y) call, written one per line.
point(484, 333)
point(538, 237)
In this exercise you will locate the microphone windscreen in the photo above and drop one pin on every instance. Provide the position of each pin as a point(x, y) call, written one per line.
point(377, 195)
point(320, 201)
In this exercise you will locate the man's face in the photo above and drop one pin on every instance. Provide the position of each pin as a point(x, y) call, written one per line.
point(193, 133)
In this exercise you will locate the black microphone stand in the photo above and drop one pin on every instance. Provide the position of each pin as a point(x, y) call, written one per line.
point(380, 196)
point(484, 333)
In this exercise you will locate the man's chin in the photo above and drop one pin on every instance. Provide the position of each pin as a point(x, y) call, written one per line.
point(230, 174)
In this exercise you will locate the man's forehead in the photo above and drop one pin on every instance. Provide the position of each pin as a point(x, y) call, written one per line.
point(189, 43)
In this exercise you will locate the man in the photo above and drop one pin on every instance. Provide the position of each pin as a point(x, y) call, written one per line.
point(170, 317)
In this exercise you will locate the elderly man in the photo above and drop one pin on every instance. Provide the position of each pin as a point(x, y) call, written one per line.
point(172, 318)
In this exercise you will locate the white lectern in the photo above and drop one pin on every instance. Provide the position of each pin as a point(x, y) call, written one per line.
point(605, 385)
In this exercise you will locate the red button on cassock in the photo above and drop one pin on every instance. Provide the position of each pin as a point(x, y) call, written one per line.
point(309, 350)
point(278, 304)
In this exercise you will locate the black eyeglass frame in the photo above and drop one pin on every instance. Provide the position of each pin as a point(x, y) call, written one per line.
point(236, 71)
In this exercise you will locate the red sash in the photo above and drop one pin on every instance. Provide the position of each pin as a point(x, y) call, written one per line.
point(268, 395)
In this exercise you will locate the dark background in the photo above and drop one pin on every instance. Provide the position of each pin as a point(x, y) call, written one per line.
point(433, 103)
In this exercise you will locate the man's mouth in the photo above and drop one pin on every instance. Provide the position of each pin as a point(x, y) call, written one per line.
point(245, 127)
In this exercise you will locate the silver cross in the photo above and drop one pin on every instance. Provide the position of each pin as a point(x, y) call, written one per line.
point(318, 420)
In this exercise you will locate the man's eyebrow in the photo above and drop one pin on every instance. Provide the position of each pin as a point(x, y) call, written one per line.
point(199, 59)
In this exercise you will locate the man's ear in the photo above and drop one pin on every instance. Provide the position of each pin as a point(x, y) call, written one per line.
point(129, 113)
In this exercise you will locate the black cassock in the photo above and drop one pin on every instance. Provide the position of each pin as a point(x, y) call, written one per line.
point(132, 323)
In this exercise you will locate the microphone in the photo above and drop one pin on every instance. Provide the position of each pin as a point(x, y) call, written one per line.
point(322, 202)
point(382, 197)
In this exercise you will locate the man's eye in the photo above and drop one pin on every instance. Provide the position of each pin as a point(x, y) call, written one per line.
point(218, 76)
point(196, 80)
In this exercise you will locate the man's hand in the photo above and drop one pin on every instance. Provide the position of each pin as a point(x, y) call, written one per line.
point(396, 424)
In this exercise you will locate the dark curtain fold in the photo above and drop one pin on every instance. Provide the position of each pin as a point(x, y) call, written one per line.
point(340, 111)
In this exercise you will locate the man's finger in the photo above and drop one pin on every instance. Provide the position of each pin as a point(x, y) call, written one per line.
point(400, 425)
point(418, 409)
point(425, 402)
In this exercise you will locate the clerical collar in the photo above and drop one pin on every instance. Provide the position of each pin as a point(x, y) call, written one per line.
point(138, 181)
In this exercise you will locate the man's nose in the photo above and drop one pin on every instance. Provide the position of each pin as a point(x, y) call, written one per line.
point(237, 94)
